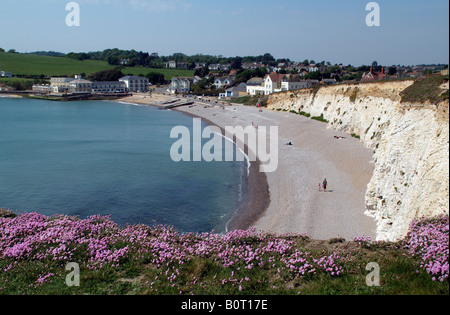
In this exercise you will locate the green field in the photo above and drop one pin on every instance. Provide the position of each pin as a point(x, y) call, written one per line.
point(34, 65)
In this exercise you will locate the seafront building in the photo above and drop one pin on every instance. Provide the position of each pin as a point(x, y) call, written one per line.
point(136, 84)
point(78, 85)
point(181, 85)
point(274, 83)
point(109, 87)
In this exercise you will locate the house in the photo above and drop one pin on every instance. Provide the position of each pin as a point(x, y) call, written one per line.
point(221, 82)
point(328, 81)
point(182, 85)
point(373, 75)
point(42, 88)
point(183, 65)
point(136, 84)
point(274, 83)
point(292, 82)
point(5, 74)
point(313, 68)
point(255, 86)
point(196, 79)
point(172, 64)
point(219, 67)
point(200, 65)
point(255, 81)
point(235, 92)
point(60, 85)
point(80, 86)
point(109, 87)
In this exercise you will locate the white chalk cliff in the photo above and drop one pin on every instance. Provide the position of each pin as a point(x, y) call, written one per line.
point(410, 144)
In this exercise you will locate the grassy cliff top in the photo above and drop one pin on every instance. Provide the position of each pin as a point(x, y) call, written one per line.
point(425, 90)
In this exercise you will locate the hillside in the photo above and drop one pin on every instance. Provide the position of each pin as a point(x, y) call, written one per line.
point(26, 65)
point(406, 124)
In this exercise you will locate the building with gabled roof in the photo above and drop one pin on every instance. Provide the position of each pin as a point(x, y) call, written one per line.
point(374, 76)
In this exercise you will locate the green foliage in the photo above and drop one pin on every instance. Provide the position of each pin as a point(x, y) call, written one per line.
point(426, 90)
point(28, 65)
point(155, 78)
point(252, 100)
point(305, 114)
point(106, 75)
point(320, 118)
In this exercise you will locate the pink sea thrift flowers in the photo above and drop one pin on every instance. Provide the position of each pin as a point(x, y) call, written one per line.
point(429, 240)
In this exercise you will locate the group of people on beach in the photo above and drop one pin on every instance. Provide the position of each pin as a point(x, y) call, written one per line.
point(323, 185)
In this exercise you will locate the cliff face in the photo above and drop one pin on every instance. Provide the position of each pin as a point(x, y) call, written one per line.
point(410, 144)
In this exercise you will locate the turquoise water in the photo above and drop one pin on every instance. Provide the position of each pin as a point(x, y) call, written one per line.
point(89, 158)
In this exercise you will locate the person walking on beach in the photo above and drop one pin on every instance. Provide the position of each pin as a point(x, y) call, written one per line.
point(325, 184)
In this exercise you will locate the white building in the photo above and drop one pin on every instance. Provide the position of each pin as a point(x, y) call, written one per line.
point(171, 64)
point(5, 74)
point(60, 85)
point(274, 83)
point(221, 82)
point(109, 87)
point(80, 86)
point(181, 85)
point(136, 84)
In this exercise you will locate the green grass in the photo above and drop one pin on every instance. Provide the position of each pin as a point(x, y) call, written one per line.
point(251, 100)
point(36, 66)
point(400, 275)
point(426, 90)
point(320, 118)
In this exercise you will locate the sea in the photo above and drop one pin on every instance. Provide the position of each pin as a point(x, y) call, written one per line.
point(112, 159)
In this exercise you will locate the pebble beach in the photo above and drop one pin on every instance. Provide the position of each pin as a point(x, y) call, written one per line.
point(289, 200)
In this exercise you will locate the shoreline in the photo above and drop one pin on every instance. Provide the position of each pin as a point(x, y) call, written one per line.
point(290, 196)
point(257, 198)
point(288, 201)
point(256, 201)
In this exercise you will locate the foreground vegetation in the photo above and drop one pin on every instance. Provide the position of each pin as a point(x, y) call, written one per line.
point(138, 260)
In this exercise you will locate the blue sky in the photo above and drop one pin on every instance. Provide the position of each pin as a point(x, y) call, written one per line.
point(411, 32)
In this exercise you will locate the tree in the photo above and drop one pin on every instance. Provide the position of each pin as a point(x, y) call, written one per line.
point(113, 60)
point(268, 59)
point(106, 75)
point(392, 70)
point(236, 64)
point(156, 78)
point(2, 50)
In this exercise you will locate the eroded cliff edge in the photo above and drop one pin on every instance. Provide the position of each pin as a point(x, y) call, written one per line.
point(408, 133)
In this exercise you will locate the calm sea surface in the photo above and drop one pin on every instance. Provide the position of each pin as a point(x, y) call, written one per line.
point(88, 158)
